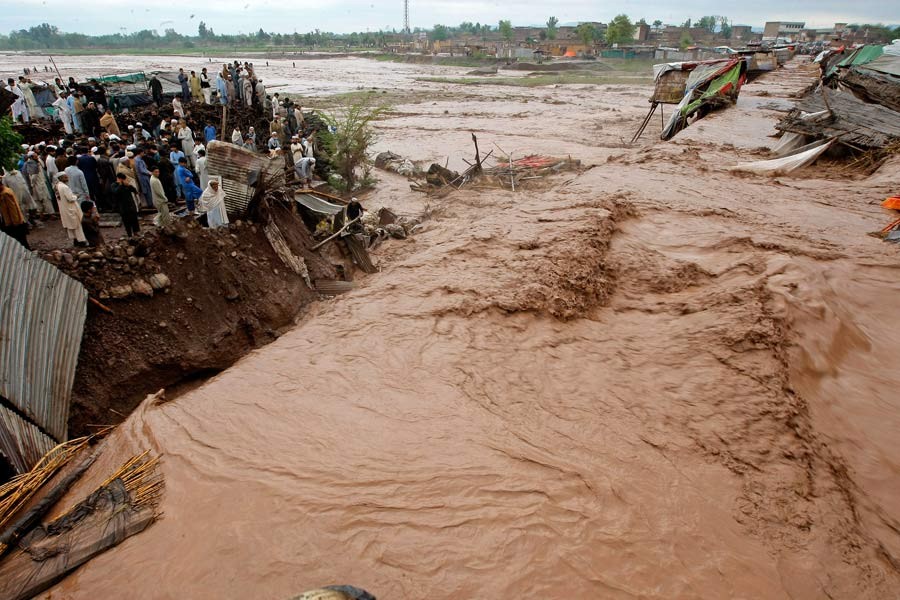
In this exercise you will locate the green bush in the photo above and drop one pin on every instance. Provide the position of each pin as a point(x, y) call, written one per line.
point(10, 144)
point(348, 138)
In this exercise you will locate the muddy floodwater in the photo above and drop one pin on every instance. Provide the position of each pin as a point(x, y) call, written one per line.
point(650, 379)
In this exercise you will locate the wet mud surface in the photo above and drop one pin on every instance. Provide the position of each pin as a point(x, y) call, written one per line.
point(652, 379)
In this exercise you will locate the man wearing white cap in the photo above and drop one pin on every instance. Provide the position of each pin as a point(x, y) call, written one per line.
point(141, 135)
point(52, 169)
point(19, 107)
point(296, 148)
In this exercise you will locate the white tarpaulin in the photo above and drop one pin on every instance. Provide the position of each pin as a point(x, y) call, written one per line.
point(802, 157)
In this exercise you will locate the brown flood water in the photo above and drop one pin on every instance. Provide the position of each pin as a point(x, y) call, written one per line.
point(652, 380)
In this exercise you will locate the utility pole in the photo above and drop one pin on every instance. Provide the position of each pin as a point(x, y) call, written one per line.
point(406, 16)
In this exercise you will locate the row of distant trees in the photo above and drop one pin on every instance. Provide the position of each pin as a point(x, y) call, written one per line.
point(620, 30)
point(47, 36)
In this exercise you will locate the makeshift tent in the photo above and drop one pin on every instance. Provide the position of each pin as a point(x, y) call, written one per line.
point(709, 85)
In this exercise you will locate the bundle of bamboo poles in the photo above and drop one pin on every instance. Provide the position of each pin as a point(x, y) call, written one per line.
point(141, 478)
point(16, 493)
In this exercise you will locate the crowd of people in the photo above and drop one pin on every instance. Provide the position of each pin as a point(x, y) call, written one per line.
point(99, 167)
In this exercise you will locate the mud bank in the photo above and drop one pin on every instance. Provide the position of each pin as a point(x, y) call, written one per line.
point(186, 303)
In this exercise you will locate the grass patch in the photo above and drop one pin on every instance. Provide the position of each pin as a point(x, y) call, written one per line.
point(425, 59)
point(631, 65)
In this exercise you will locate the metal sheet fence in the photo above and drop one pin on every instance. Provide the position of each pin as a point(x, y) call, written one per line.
point(236, 166)
point(42, 314)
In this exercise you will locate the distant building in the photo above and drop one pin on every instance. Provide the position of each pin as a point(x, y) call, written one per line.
point(643, 32)
point(743, 33)
point(783, 29)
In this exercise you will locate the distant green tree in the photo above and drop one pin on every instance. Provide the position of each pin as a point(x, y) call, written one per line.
point(439, 33)
point(724, 28)
point(202, 32)
point(587, 33)
point(686, 24)
point(708, 23)
point(552, 23)
point(657, 24)
point(620, 30)
point(875, 33)
point(686, 40)
point(506, 30)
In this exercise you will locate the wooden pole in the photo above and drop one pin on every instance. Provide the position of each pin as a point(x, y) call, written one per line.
point(334, 235)
point(98, 304)
point(477, 155)
point(57, 70)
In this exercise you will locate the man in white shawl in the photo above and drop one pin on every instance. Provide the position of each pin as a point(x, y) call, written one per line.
point(70, 211)
point(186, 137)
point(212, 202)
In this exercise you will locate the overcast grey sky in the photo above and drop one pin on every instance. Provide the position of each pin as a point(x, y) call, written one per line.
point(233, 16)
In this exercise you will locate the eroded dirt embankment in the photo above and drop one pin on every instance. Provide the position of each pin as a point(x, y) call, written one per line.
point(186, 303)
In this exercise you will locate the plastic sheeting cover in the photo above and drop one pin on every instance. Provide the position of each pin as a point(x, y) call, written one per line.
point(802, 157)
point(318, 205)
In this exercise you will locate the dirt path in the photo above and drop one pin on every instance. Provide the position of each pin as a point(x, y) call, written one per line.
point(652, 380)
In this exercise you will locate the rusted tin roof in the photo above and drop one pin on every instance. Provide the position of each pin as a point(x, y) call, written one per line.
point(238, 167)
point(42, 313)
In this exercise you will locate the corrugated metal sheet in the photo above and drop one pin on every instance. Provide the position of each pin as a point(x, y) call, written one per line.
point(360, 254)
point(237, 166)
point(42, 313)
point(21, 442)
point(318, 205)
point(332, 287)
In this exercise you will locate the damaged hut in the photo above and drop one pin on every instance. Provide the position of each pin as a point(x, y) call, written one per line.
point(696, 88)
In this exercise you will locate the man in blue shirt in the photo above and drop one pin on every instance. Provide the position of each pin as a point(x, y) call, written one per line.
point(185, 90)
point(209, 133)
point(143, 175)
point(183, 175)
